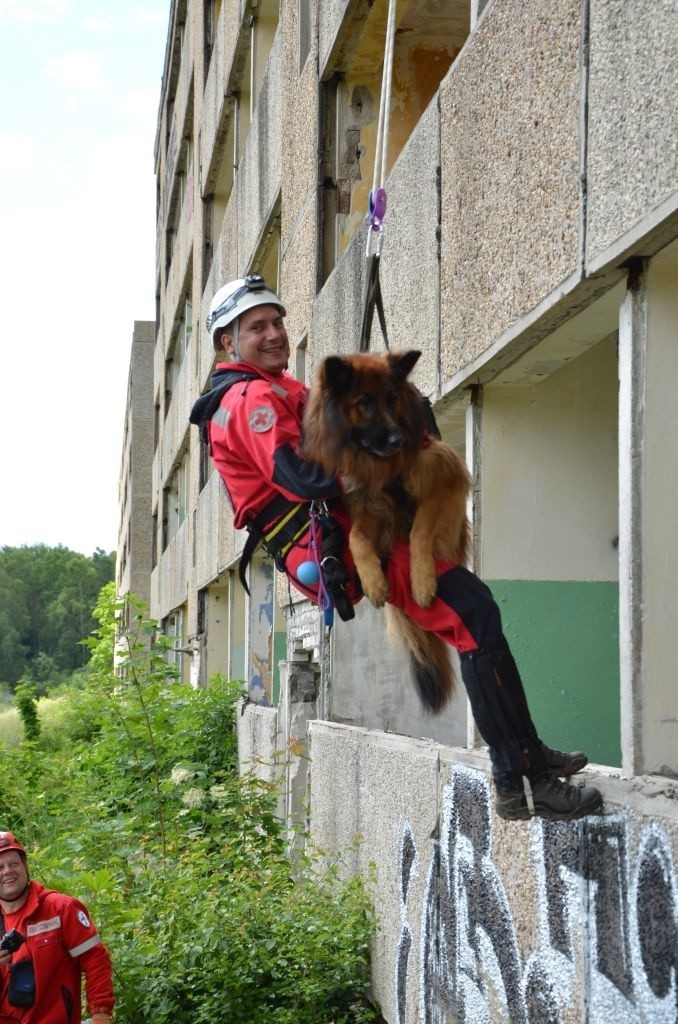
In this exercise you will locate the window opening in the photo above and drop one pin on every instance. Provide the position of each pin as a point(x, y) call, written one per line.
point(427, 41)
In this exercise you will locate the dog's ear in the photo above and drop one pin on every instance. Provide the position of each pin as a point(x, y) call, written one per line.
point(402, 363)
point(337, 375)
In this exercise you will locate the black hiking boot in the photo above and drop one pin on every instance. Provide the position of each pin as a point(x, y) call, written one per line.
point(562, 763)
point(548, 798)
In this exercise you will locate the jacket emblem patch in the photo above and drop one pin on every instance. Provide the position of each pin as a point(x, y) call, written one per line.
point(83, 919)
point(262, 419)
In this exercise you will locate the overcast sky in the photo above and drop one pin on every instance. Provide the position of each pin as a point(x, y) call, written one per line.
point(80, 86)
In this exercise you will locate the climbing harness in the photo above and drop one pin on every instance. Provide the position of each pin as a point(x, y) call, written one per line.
point(276, 539)
point(378, 197)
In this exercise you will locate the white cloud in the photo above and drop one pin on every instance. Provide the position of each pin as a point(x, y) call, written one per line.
point(80, 69)
point(140, 107)
point(33, 10)
point(93, 23)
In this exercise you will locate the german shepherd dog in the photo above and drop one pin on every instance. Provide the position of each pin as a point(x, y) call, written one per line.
point(366, 422)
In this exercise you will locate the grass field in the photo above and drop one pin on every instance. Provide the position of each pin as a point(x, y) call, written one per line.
point(50, 710)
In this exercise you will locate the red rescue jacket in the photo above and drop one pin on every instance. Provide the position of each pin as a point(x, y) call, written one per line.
point(63, 944)
point(253, 438)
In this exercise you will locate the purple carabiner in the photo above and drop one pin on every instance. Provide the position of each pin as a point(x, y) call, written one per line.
point(377, 207)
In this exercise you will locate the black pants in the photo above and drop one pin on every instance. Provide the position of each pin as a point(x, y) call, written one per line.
point(492, 680)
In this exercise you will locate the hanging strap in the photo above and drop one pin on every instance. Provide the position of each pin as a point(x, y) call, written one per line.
point(378, 198)
point(373, 300)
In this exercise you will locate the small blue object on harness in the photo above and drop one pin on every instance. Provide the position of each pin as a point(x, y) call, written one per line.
point(308, 573)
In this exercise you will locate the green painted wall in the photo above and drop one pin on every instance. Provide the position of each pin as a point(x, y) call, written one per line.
point(565, 638)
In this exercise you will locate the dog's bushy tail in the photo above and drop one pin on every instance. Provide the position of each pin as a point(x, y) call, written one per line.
point(430, 661)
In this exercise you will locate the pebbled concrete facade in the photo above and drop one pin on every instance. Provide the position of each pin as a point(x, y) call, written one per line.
point(511, 159)
point(632, 124)
point(530, 251)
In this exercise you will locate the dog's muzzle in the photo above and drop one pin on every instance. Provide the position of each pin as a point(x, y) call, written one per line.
point(380, 446)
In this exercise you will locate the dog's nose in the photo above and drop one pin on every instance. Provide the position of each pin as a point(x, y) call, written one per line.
point(392, 442)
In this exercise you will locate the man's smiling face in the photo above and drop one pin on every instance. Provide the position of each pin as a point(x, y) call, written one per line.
point(13, 876)
point(261, 339)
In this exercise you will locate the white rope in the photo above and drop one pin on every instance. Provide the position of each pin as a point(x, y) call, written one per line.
point(381, 152)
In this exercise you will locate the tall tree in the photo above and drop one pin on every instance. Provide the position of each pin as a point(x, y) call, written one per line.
point(46, 601)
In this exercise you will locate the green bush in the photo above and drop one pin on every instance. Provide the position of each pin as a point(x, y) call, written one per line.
point(27, 706)
point(142, 813)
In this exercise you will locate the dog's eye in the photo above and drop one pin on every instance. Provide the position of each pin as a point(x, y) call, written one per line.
point(365, 402)
point(392, 399)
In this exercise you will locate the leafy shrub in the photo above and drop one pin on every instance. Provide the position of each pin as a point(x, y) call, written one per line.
point(142, 813)
point(27, 706)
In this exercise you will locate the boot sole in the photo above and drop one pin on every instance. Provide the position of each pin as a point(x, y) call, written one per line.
point(523, 813)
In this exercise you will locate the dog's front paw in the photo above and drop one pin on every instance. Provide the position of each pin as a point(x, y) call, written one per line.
point(375, 588)
point(424, 586)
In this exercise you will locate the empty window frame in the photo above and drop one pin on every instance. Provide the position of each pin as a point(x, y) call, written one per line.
point(176, 498)
point(180, 207)
point(173, 628)
point(212, 13)
point(428, 39)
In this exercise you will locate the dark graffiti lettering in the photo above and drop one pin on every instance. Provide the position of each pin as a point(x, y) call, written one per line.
point(594, 908)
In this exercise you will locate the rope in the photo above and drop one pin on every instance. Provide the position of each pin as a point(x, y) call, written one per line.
point(378, 199)
point(381, 153)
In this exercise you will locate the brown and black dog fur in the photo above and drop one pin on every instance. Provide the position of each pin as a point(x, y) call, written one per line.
point(366, 422)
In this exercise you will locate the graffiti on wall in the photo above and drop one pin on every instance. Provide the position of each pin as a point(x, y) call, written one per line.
point(605, 939)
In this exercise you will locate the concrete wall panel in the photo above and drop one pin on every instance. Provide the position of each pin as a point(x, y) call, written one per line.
point(633, 122)
point(510, 155)
point(410, 266)
point(337, 310)
point(371, 684)
point(300, 103)
point(258, 741)
point(298, 273)
point(368, 785)
point(490, 921)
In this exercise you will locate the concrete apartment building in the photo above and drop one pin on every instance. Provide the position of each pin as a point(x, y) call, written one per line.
point(531, 252)
point(134, 561)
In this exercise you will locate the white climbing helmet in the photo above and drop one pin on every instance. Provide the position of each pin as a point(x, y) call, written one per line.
point(235, 298)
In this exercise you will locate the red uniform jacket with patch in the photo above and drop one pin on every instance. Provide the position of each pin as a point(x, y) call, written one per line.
point(63, 944)
point(253, 438)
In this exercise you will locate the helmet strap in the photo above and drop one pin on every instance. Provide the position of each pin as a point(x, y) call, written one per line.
point(235, 339)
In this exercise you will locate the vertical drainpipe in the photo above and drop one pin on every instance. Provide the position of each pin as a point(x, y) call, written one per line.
point(632, 345)
point(474, 439)
point(584, 75)
point(439, 222)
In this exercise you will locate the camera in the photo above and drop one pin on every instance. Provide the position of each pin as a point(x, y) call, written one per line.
point(12, 940)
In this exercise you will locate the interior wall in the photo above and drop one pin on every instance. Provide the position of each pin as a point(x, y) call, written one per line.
point(549, 545)
point(549, 474)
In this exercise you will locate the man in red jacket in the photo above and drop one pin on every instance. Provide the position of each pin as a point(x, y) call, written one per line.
point(51, 943)
point(252, 420)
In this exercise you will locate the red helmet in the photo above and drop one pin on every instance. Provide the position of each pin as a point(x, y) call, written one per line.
point(8, 841)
